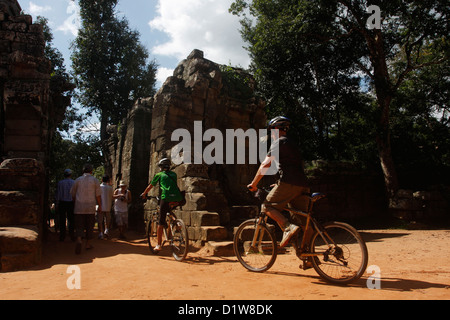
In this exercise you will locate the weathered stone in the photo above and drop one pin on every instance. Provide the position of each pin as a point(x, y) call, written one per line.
point(209, 233)
point(219, 248)
point(204, 218)
point(19, 248)
point(32, 106)
point(196, 92)
point(18, 239)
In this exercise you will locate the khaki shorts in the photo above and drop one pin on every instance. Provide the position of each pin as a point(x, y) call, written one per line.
point(283, 194)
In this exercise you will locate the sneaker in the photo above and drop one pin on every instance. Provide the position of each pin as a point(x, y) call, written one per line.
point(157, 248)
point(288, 233)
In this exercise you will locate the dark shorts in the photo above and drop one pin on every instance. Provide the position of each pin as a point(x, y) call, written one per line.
point(85, 222)
point(283, 194)
point(164, 208)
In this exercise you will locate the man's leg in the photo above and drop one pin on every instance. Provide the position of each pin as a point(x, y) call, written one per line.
point(289, 229)
point(62, 211)
point(277, 200)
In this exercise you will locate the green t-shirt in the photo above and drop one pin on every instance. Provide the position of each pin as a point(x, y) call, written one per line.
point(168, 183)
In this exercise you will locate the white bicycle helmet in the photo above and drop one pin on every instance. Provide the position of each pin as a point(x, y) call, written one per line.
point(164, 163)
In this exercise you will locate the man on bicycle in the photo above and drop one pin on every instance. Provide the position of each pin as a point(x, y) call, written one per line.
point(292, 187)
point(170, 194)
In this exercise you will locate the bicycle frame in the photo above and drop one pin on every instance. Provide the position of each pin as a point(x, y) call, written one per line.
point(262, 219)
point(329, 248)
point(170, 217)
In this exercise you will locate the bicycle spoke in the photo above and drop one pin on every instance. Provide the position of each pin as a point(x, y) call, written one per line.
point(179, 240)
point(345, 260)
point(255, 247)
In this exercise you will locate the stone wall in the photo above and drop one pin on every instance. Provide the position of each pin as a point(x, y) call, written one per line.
point(31, 105)
point(421, 205)
point(129, 146)
point(197, 91)
point(351, 192)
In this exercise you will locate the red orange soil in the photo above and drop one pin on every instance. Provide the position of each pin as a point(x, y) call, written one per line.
point(413, 265)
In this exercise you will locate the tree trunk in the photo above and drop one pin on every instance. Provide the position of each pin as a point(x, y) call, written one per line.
point(383, 138)
point(384, 93)
point(387, 163)
point(105, 147)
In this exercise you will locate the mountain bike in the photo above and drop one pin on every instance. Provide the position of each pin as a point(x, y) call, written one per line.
point(175, 233)
point(335, 250)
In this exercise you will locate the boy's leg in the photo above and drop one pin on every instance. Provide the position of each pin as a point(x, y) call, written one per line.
point(164, 209)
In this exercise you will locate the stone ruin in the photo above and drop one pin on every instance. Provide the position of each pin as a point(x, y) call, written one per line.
point(31, 105)
point(217, 199)
point(199, 90)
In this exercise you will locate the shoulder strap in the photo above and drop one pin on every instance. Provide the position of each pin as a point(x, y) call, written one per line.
point(176, 184)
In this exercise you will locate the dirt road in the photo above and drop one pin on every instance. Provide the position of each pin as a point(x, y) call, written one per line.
point(412, 265)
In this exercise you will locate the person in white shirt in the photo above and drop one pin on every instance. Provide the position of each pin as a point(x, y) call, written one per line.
point(104, 216)
point(86, 194)
point(122, 198)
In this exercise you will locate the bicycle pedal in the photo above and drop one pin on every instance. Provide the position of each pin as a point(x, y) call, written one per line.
point(305, 265)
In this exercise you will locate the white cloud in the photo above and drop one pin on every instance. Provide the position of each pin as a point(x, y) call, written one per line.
point(72, 23)
point(162, 74)
point(200, 24)
point(36, 10)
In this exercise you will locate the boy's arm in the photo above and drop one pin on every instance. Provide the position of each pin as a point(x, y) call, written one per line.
point(147, 190)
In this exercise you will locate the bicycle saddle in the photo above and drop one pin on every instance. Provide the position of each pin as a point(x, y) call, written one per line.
point(317, 196)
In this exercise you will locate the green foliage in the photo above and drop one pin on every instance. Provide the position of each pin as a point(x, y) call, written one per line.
point(73, 154)
point(64, 153)
point(318, 63)
point(237, 83)
point(110, 64)
point(421, 126)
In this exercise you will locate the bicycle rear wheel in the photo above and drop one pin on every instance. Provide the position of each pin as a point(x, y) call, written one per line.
point(151, 232)
point(262, 254)
point(344, 259)
point(179, 241)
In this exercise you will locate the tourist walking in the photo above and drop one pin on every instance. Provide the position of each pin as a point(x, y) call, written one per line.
point(122, 197)
point(86, 193)
point(64, 206)
point(104, 216)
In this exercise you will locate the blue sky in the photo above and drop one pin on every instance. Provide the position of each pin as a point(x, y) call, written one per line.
point(170, 29)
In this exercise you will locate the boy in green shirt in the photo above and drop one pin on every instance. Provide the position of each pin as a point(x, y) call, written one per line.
point(169, 193)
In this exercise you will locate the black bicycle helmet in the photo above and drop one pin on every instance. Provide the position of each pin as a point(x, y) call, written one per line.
point(279, 122)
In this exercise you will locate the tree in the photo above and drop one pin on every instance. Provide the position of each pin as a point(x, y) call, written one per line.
point(110, 65)
point(292, 42)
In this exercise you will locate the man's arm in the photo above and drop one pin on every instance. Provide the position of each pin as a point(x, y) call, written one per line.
point(265, 165)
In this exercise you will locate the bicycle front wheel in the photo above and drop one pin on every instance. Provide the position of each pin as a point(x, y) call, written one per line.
point(342, 253)
point(255, 246)
point(179, 240)
point(151, 232)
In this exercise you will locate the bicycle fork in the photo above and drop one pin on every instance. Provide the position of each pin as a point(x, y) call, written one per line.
point(258, 236)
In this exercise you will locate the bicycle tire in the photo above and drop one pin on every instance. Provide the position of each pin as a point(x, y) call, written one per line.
point(179, 241)
point(151, 232)
point(255, 259)
point(344, 263)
